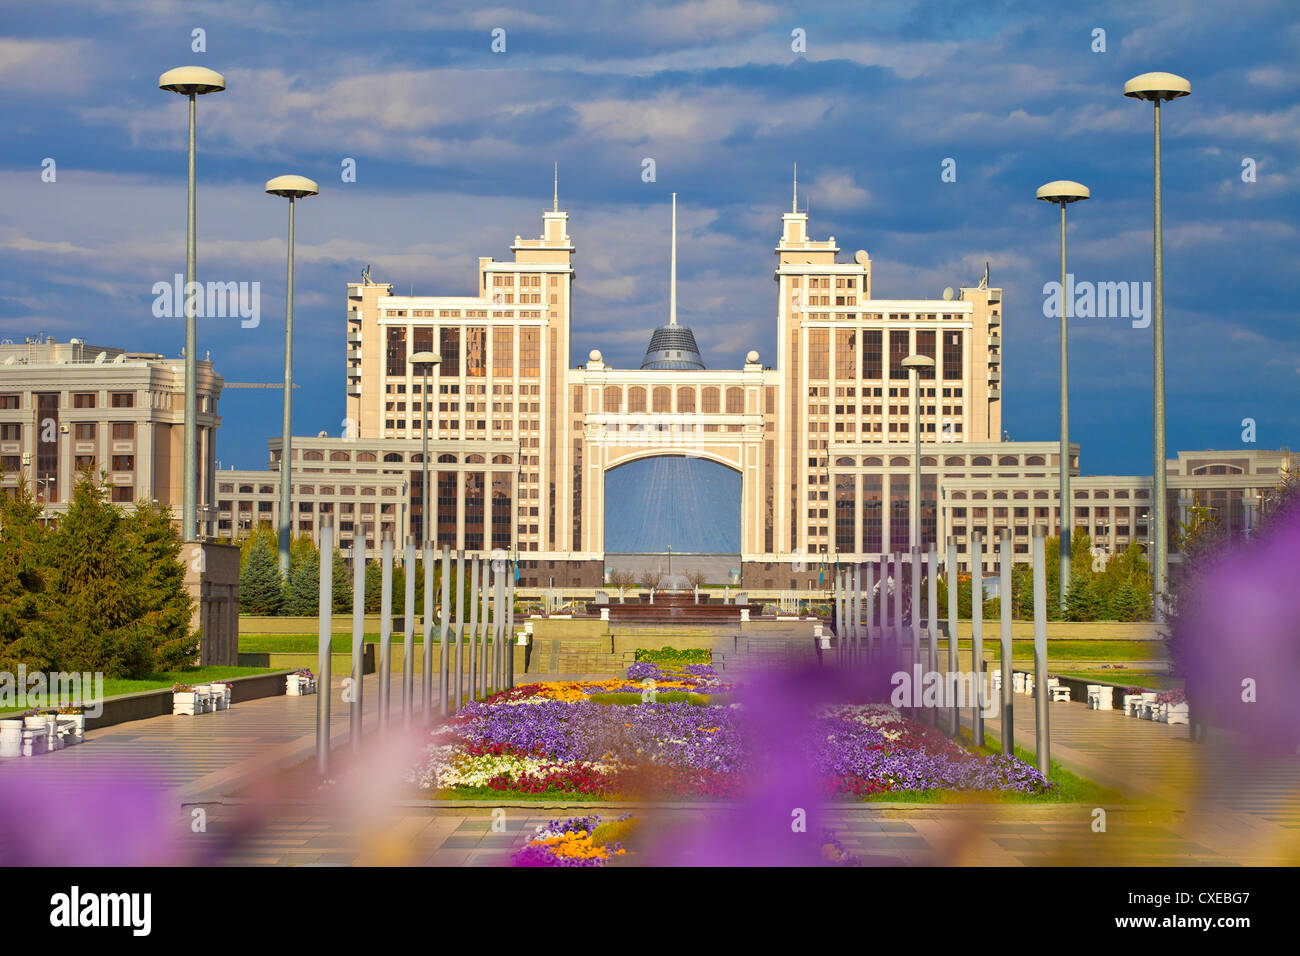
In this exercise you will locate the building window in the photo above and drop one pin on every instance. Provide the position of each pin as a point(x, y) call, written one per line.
point(846, 353)
point(613, 398)
point(952, 355)
point(396, 354)
point(819, 349)
point(663, 399)
point(449, 351)
point(124, 462)
point(871, 354)
point(476, 351)
point(123, 400)
point(735, 401)
point(898, 346)
point(635, 399)
point(710, 400)
point(503, 352)
point(925, 346)
point(529, 353)
point(8, 402)
point(686, 399)
point(83, 400)
point(123, 431)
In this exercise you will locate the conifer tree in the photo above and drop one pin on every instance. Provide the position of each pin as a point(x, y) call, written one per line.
point(302, 595)
point(260, 588)
point(157, 576)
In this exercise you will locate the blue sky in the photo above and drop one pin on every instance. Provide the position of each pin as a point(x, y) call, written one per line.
point(454, 146)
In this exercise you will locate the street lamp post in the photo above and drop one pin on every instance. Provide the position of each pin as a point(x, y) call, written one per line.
point(293, 188)
point(191, 82)
point(424, 361)
point(1158, 87)
point(914, 364)
point(1063, 192)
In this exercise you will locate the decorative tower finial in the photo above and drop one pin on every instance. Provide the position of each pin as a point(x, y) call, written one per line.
point(555, 203)
point(794, 203)
point(672, 278)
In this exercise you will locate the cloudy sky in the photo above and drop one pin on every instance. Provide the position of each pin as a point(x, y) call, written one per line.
point(454, 145)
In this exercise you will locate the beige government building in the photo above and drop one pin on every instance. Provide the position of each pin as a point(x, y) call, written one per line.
point(822, 436)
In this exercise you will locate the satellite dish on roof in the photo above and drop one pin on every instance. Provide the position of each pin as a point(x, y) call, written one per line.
point(947, 294)
point(861, 257)
point(10, 360)
point(120, 359)
point(101, 358)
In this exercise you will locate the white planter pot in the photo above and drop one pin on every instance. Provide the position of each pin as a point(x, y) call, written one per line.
point(186, 703)
point(1176, 713)
point(34, 723)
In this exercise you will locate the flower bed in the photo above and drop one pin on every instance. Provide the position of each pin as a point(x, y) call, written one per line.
point(555, 739)
point(579, 841)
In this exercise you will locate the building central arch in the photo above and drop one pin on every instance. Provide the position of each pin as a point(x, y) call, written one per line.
point(673, 502)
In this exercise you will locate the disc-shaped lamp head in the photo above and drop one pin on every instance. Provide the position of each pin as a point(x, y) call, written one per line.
point(292, 187)
point(1063, 191)
point(192, 79)
point(1157, 86)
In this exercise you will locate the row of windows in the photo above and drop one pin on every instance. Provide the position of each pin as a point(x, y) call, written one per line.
point(13, 401)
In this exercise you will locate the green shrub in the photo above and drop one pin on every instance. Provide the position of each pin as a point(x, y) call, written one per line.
point(671, 655)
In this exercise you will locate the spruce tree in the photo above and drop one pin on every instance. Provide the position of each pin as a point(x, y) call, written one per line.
point(342, 585)
point(260, 588)
point(302, 595)
point(92, 609)
point(157, 576)
point(24, 554)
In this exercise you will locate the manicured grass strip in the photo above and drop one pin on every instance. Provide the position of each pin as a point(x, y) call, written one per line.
point(661, 697)
point(1127, 678)
point(116, 687)
point(1023, 650)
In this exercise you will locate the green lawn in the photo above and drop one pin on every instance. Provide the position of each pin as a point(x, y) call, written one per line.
point(116, 687)
point(1127, 678)
point(305, 643)
point(1063, 650)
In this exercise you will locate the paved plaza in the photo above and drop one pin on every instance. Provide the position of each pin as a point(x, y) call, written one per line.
point(1188, 804)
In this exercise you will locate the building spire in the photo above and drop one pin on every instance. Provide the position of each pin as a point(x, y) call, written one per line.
point(794, 203)
point(555, 203)
point(672, 276)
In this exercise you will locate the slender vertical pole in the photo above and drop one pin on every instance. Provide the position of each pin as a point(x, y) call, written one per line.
point(483, 624)
point(1159, 536)
point(898, 598)
point(1042, 736)
point(286, 428)
point(426, 522)
point(323, 646)
point(950, 569)
point(356, 710)
point(500, 637)
point(915, 559)
point(977, 634)
point(443, 665)
point(871, 607)
point(472, 647)
point(426, 673)
point(408, 633)
point(1067, 503)
point(914, 525)
point(385, 628)
point(189, 483)
point(932, 622)
point(458, 681)
point(857, 606)
point(1004, 612)
point(510, 629)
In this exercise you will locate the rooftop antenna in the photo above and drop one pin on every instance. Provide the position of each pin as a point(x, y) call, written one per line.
point(672, 280)
point(794, 202)
point(555, 203)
